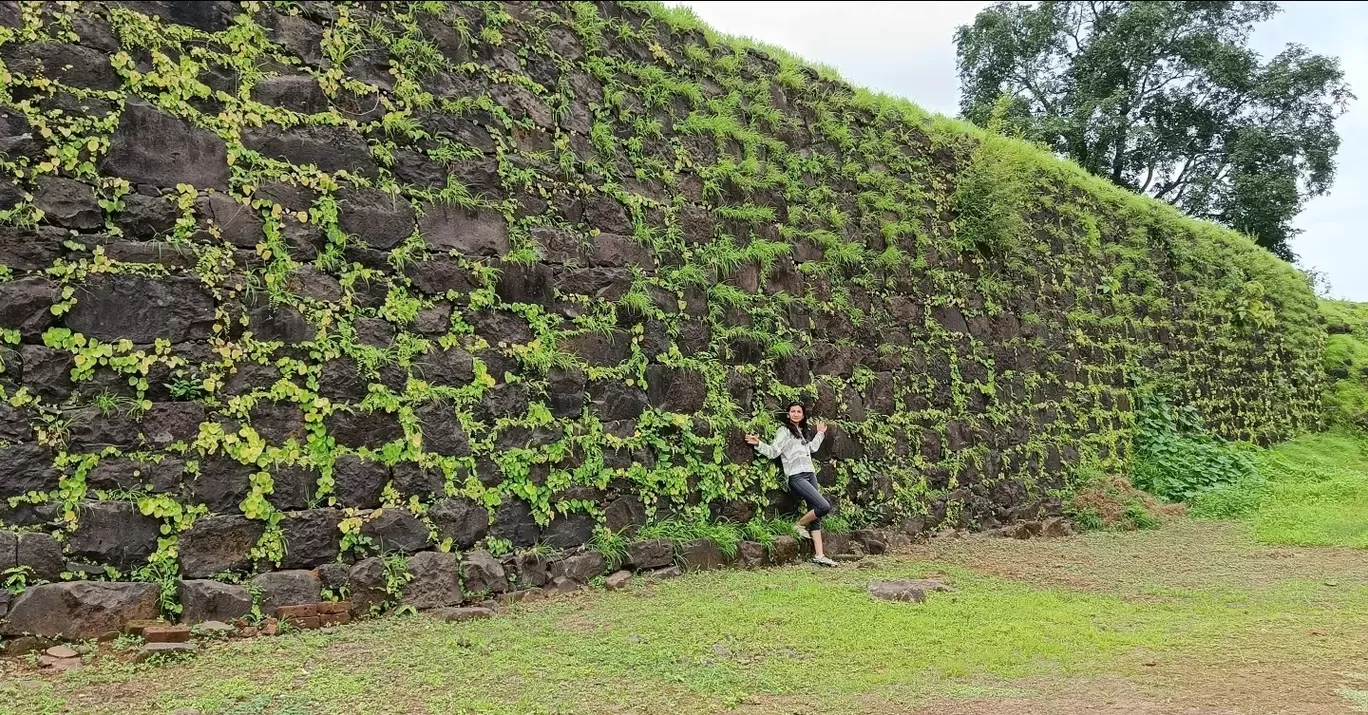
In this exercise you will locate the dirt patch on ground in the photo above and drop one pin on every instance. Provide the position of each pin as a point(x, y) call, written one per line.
point(1176, 688)
point(1185, 554)
point(1115, 504)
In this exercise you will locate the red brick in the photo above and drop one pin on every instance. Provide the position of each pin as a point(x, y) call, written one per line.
point(166, 634)
point(335, 619)
point(307, 623)
point(294, 613)
point(333, 607)
point(135, 628)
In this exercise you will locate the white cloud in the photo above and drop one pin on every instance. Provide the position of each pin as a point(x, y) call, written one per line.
point(908, 49)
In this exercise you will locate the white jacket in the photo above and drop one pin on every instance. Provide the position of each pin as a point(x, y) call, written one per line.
point(795, 454)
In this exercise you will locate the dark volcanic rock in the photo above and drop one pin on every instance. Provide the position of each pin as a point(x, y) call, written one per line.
point(113, 533)
point(435, 581)
point(358, 483)
point(312, 538)
point(396, 530)
point(471, 232)
point(206, 600)
point(287, 588)
point(330, 148)
point(218, 544)
point(26, 468)
point(461, 520)
point(80, 610)
point(152, 147)
point(142, 309)
point(296, 92)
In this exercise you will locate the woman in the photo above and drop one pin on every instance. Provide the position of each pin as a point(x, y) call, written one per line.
point(791, 446)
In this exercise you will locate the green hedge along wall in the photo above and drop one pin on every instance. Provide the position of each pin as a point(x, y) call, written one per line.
point(523, 271)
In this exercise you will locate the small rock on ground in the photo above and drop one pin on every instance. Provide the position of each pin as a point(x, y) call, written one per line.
point(58, 664)
point(62, 651)
point(454, 614)
point(212, 628)
point(907, 590)
point(618, 580)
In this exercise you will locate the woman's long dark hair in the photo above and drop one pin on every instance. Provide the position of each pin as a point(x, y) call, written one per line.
point(799, 430)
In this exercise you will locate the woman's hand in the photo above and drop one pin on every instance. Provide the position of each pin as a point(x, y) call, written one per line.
point(752, 440)
point(821, 427)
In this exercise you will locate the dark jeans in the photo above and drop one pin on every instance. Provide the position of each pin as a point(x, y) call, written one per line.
point(805, 486)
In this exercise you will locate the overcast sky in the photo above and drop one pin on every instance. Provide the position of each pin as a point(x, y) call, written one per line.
point(908, 49)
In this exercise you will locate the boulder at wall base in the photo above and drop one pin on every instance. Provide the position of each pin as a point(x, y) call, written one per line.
point(579, 568)
point(207, 600)
point(907, 590)
point(702, 555)
point(529, 569)
point(785, 550)
point(652, 554)
point(435, 581)
point(751, 554)
point(287, 588)
point(837, 543)
point(483, 574)
point(367, 584)
point(80, 610)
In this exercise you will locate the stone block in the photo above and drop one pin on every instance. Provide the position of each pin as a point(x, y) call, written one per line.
point(218, 544)
point(651, 554)
point(80, 610)
point(167, 634)
point(435, 580)
point(204, 600)
point(482, 573)
point(460, 519)
point(115, 533)
point(152, 147)
point(287, 588)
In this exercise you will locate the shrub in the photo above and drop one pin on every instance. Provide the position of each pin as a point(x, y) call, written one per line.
point(1176, 459)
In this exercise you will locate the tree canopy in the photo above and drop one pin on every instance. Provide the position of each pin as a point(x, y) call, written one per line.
point(1164, 98)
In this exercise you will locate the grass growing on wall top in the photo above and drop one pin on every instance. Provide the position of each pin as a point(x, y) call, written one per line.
point(1346, 362)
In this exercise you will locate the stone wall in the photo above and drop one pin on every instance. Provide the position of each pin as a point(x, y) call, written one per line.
point(285, 289)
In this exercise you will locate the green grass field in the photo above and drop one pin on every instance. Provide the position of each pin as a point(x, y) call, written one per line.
point(1260, 611)
point(1029, 619)
point(1313, 492)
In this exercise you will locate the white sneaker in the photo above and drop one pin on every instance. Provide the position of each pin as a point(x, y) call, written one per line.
point(802, 532)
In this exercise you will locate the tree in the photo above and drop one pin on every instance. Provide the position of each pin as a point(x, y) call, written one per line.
point(1164, 98)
